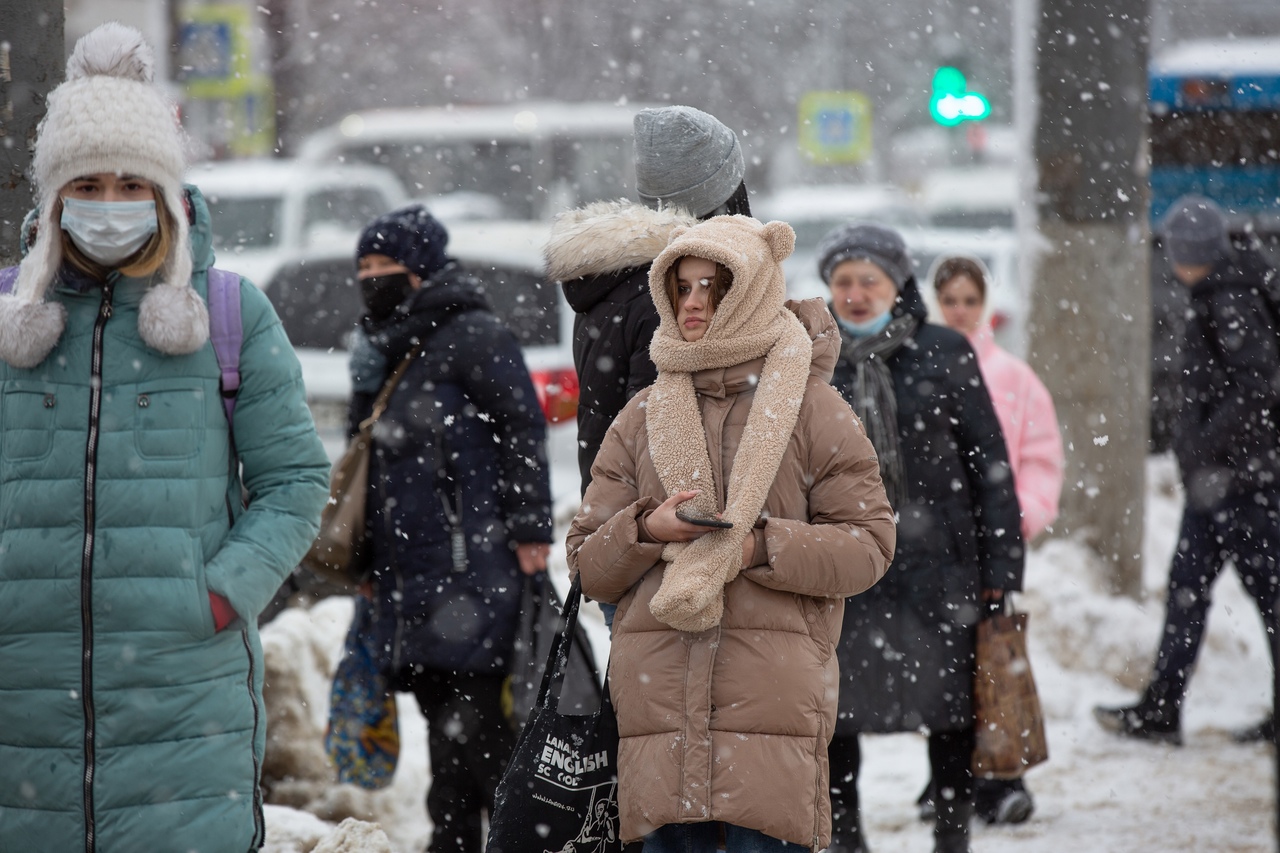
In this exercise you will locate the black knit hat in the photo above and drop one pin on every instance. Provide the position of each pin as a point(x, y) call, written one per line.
point(884, 247)
point(1195, 231)
point(410, 236)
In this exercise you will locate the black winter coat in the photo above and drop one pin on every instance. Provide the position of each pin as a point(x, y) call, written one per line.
point(906, 653)
point(614, 323)
point(601, 254)
point(462, 440)
point(1227, 433)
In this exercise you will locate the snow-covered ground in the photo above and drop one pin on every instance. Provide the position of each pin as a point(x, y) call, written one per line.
point(1097, 793)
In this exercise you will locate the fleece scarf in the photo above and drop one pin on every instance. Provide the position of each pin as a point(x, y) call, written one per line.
point(751, 321)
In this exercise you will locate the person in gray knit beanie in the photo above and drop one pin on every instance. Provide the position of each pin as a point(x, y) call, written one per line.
point(882, 246)
point(687, 159)
point(1195, 232)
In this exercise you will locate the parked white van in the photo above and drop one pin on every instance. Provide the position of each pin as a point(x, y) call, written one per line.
point(527, 160)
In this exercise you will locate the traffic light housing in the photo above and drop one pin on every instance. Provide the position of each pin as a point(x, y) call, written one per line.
point(952, 102)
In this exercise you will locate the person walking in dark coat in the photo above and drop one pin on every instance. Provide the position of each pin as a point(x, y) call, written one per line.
point(459, 505)
point(1227, 441)
point(907, 648)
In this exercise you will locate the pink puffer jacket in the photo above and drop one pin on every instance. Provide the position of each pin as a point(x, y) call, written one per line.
point(1031, 432)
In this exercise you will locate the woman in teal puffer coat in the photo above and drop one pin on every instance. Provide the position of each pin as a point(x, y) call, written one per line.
point(131, 572)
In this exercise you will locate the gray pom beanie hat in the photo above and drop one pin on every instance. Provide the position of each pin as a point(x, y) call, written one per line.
point(686, 159)
point(108, 116)
point(884, 247)
point(1195, 231)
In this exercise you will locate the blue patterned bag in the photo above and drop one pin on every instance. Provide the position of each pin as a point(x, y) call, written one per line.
point(363, 736)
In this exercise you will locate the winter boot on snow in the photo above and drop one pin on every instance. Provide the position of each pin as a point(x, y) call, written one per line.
point(1002, 800)
point(1155, 717)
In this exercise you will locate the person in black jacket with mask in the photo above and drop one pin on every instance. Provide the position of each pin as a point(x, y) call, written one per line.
point(459, 504)
point(1227, 440)
point(907, 648)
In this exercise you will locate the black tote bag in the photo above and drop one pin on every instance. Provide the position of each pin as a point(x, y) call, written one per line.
point(541, 619)
point(560, 790)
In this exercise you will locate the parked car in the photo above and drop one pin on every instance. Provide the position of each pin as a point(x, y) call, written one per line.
point(266, 210)
point(528, 160)
point(316, 296)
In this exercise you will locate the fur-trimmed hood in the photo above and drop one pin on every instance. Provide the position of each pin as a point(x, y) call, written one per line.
point(608, 237)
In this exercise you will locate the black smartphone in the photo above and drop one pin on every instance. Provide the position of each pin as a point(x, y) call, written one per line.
point(703, 520)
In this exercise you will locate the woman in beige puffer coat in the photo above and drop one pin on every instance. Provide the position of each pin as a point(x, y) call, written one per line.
point(722, 668)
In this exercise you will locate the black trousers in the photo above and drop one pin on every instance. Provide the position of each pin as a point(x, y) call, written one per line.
point(1244, 531)
point(950, 759)
point(469, 742)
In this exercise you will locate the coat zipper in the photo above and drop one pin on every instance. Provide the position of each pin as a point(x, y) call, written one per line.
point(259, 820)
point(86, 564)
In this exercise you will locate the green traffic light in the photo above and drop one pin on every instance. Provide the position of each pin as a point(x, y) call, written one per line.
point(948, 81)
point(951, 103)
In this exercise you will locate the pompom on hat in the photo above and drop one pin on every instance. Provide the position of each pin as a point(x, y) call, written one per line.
point(107, 117)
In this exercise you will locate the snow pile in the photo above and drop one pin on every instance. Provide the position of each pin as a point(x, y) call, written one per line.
point(301, 649)
point(290, 831)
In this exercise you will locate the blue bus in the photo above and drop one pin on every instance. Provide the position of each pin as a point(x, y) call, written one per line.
point(1215, 128)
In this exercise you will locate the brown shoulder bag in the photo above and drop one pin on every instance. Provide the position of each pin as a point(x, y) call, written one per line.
point(338, 552)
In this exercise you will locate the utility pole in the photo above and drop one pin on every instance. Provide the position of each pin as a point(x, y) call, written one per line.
point(1090, 313)
point(32, 57)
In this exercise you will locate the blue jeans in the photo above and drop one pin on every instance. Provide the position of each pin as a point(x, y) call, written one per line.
point(608, 610)
point(705, 838)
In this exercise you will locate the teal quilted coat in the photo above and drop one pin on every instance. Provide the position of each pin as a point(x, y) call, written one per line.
point(126, 722)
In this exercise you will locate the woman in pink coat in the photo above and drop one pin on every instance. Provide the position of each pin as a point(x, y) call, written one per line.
point(1023, 404)
point(1030, 425)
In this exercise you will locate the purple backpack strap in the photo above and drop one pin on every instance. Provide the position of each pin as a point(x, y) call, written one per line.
point(8, 277)
point(227, 333)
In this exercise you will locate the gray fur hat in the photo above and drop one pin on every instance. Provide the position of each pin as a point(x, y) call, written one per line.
point(884, 247)
point(1195, 231)
point(687, 159)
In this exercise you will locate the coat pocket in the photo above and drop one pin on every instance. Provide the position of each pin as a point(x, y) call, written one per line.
point(29, 415)
point(170, 420)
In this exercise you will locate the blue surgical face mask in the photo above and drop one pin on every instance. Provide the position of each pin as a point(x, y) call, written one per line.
point(109, 231)
point(871, 327)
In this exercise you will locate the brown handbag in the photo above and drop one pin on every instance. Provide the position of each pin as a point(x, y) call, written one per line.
point(1008, 721)
point(338, 552)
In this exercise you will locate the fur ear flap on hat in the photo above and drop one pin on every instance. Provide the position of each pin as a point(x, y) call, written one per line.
point(781, 239)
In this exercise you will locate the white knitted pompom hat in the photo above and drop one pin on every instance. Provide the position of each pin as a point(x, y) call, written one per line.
point(107, 117)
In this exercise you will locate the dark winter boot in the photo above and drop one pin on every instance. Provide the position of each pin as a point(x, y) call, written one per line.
point(951, 832)
point(951, 840)
point(1154, 717)
point(1261, 731)
point(1002, 800)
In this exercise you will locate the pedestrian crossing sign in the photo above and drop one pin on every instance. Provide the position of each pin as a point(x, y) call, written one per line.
point(835, 126)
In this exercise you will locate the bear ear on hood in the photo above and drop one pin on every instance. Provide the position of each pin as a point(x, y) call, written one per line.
point(676, 233)
point(781, 240)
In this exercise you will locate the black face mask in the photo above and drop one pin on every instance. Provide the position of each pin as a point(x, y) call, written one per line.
point(382, 293)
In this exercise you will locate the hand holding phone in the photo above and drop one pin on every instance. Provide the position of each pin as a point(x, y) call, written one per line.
point(690, 516)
